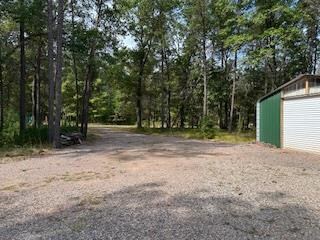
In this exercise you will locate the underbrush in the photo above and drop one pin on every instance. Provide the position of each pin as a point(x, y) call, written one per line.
point(32, 141)
point(199, 133)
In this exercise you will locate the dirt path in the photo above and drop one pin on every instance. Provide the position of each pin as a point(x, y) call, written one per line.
point(131, 186)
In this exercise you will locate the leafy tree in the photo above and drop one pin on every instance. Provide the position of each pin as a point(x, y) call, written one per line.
point(187, 62)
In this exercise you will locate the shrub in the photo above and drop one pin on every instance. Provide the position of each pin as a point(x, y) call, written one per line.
point(207, 127)
point(10, 129)
point(30, 137)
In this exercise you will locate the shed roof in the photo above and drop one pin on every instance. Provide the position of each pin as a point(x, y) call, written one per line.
point(300, 77)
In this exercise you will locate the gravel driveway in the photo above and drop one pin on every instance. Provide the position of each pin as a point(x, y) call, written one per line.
point(131, 186)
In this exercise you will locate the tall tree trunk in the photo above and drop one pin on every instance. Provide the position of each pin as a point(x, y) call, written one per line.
point(77, 90)
point(149, 111)
point(89, 77)
point(87, 93)
point(220, 113)
point(233, 90)
point(58, 78)
point(1, 92)
point(240, 122)
point(38, 109)
point(182, 109)
point(36, 90)
point(204, 57)
point(275, 74)
point(223, 77)
point(22, 73)
point(266, 82)
point(145, 48)
point(315, 58)
point(154, 117)
point(74, 61)
point(51, 24)
point(312, 34)
point(273, 66)
point(142, 63)
point(163, 88)
point(139, 96)
point(169, 109)
point(204, 72)
point(34, 100)
point(168, 91)
point(182, 115)
point(226, 114)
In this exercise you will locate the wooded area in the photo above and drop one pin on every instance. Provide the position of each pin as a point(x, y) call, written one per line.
point(161, 63)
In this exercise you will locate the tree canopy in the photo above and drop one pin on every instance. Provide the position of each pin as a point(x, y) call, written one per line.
point(162, 63)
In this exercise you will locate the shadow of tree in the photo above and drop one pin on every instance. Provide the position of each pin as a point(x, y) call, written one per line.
point(120, 143)
point(148, 212)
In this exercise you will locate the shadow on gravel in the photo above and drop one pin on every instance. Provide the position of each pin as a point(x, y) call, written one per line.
point(116, 143)
point(147, 212)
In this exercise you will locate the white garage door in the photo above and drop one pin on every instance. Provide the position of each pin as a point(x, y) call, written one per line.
point(301, 124)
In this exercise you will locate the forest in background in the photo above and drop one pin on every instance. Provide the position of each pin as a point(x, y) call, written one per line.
point(160, 63)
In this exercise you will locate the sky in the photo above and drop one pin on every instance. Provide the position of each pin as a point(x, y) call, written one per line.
point(128, 41)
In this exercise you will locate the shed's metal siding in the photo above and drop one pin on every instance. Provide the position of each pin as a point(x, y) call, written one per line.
point(301, 124)
point(270, 109)
point(258, 122)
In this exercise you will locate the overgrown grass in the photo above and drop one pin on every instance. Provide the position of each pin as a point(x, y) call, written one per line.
point(34, 141)
point(189, 133)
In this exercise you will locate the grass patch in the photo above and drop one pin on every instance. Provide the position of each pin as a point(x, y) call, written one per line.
point(81, 176)
point(244, 137)
point(11, 188)
point(12, 153)
point(15, 188)
point(189, 133)
point(91, 201)
point(33, 142)
point(76, 177)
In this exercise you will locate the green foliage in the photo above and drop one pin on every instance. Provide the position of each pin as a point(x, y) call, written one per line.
point(10, 130)
point(275, 41)
point(30, 137)
point(194, 133)
point(208, 127)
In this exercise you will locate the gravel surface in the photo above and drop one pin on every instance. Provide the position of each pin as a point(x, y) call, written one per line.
point(131, 186)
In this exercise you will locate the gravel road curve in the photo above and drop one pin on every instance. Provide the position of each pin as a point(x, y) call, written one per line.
point(132, 186)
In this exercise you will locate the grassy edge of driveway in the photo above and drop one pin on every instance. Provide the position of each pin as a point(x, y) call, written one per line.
point(189, 133)
point(18, 153)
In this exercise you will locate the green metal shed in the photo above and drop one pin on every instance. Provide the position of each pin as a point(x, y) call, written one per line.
point(289, 116)
point(270, 119)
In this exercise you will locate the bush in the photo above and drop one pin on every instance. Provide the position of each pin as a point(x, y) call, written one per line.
point(10, 128)
point(30, 137)
point(207, 127)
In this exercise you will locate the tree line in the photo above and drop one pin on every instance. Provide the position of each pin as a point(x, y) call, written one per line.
point(161, 63)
